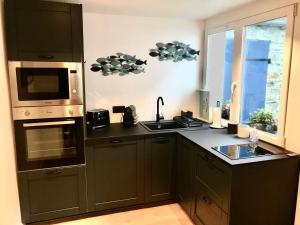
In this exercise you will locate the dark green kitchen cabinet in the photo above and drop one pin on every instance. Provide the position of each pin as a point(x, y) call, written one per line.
point(115, 173)
point(160, 167)
point(206, 211)
point(185, 172)
point(211, 190)
point(257, 193)
point(52, 193)
point(43, 31)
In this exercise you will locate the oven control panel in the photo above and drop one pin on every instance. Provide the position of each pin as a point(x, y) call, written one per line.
point(25, 113)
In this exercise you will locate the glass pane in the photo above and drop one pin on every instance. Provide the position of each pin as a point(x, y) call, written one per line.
point(43, 84)
point(262, 76)
point(50, 143)
point(220, 51)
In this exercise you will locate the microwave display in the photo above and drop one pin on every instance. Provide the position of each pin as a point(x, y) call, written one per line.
point(42, 83)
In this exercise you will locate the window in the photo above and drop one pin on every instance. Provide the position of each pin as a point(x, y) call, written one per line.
point(247, 66)
point(219, 64)
point(262, 74)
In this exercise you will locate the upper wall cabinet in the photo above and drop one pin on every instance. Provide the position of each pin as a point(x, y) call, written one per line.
point(43, 31)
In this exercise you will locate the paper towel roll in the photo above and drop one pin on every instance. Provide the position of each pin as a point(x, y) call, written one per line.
point(216, 117)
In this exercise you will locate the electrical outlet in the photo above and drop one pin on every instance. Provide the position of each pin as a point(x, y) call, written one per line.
point(118, 109)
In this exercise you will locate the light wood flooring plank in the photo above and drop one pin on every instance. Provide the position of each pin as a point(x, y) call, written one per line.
point(171, 214)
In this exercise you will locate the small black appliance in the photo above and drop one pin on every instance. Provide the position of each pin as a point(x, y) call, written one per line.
point(97, 118)
point(128, 117)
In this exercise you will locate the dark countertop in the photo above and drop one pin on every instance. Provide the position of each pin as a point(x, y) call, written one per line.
point(208, 138)
point(203, 137)
point(116, 130)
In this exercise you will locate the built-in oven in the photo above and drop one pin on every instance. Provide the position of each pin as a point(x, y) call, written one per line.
point(49, 142)
point(45, 83)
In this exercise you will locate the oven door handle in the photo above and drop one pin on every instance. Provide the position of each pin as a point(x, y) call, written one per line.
point(66, 122)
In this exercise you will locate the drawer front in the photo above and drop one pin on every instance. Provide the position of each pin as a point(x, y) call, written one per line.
point(52, 193)
point(205, 210)
point(216, 176)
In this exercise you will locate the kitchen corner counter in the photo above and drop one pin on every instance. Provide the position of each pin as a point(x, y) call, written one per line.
point(202, 137)
point(208, 138)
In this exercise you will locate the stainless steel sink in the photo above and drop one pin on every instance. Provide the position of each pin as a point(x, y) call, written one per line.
point(162, 125)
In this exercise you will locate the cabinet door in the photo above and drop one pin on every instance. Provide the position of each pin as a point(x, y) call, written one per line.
point(205, 210)
point(160, 155)
point(185, 174)
point(115, 173)
point(52, 193)
point(43, 31)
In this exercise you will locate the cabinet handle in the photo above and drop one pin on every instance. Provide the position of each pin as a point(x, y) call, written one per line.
point(206, 200)
point(54, 172)
point(208, 158)
point(46, 57)
point(160, 139)
point(115, 141)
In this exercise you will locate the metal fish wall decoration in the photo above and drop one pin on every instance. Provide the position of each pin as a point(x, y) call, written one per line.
point(176, 51)
point(120, 63)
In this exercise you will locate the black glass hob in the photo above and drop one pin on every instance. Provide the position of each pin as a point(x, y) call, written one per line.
point(244, 151)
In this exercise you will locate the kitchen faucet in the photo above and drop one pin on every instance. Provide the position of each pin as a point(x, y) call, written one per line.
point(158, 116)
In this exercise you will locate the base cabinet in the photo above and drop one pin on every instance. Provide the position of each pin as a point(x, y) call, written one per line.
point(234, 195)
point(130, 171)
point(184, 178)
point(52, 193)
point(115, 173)
point(160, 168)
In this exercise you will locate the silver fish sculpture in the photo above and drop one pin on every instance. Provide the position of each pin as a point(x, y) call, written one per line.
point(175, 51)
point(119, 63)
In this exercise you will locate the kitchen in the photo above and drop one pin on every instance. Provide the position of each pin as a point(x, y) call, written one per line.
point(109, 32)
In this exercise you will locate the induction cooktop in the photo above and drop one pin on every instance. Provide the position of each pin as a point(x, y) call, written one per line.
point(244, 151)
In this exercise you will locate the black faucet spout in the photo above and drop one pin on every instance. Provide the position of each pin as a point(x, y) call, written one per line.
point(158, 116)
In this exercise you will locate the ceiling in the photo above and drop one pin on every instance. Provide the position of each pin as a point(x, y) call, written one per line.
point(189, 9)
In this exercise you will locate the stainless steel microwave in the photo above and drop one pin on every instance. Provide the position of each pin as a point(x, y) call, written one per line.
point(45, 83)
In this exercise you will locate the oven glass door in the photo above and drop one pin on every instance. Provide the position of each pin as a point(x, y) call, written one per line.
point(48, 143)
point(42, 83)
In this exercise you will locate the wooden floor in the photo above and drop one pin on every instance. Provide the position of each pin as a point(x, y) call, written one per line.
point(161, 215)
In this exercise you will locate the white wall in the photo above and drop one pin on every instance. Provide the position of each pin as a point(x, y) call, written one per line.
point(293, 108)
point(9, 203)
point(105, 35)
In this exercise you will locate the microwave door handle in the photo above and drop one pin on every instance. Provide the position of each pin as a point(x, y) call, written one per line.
point(49, 123)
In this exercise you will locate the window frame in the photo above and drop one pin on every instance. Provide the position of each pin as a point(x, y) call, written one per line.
point(238, 66)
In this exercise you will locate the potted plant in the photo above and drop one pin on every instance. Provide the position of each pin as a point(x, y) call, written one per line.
point(263, 120)
point(226, 110)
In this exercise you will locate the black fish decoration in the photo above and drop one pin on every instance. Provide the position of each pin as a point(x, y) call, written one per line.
point(140, 62)
point(154, 54)
point(176, 51)
point(119, 63)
